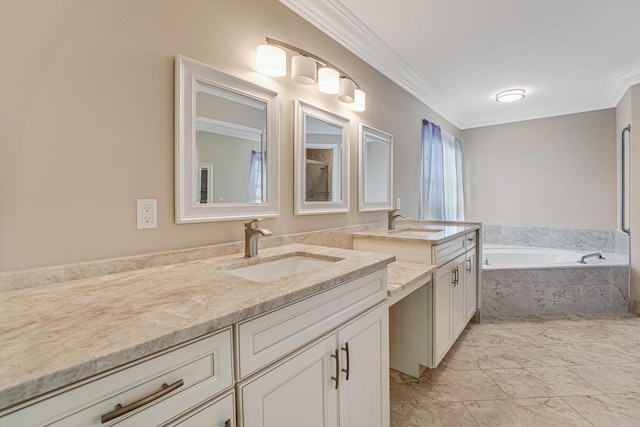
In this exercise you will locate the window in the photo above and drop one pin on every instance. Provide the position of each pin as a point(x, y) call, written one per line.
point(441, 192)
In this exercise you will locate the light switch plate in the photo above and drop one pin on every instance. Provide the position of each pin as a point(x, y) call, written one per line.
point(147, 213)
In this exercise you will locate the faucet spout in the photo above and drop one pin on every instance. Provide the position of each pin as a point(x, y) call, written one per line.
point(251, 234)
point(391, 219)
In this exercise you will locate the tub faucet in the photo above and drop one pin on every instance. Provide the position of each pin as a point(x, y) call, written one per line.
point(251, 234)
point(392, 219)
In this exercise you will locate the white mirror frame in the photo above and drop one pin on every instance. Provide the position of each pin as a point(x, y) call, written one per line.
point(301, 206)
point(363, 169)
point(188, 72)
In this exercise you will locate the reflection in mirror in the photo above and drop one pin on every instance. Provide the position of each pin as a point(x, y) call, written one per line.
point(375, 181)
point(321, 161)
point(226, 146)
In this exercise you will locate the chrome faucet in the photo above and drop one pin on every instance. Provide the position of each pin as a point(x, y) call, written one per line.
point(392, 219)
point(251, 234)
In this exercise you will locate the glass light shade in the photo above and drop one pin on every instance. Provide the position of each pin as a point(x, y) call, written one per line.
point(347, 90)
point(510, 95)
point(303, 70)
point(359, 100)
point(271, 60)
point(328, 81)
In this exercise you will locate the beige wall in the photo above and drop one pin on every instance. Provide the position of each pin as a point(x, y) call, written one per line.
point(557, 172)
point(86, 128)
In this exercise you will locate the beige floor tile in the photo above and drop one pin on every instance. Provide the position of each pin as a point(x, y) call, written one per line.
point(608, 410)
point(574, 334)
point(612, 352)
point(531, 356)
point(611, 378)
point(432, 414)
point(492, 337)
point(453, 386)
point(552, 412)
point(470, 357)
point(398, 389)
point(541, 382)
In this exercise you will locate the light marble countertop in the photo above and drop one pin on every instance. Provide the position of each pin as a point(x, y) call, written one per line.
point(404, 276)
point(418, 232)
point(58, 334)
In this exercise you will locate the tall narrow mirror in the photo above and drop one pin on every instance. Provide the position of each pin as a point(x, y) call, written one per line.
point(226, 146)
point(375, 164)
point(321, 161)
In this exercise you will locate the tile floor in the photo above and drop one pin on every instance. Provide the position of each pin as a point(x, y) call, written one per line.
point(548, 371)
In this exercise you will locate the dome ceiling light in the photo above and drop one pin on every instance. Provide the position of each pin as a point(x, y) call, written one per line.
point(510, 95)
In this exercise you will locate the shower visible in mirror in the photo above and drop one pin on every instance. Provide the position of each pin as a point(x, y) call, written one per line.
point(322, 158)
point(227, 148)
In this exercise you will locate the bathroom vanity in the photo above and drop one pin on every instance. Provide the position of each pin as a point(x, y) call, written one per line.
point(426, 323)
point(199, 344)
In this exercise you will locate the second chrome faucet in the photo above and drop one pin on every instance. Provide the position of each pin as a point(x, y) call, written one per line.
point(392, 219)
point(251, 234)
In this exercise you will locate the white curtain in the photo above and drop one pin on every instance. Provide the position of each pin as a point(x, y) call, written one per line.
point(441, 193)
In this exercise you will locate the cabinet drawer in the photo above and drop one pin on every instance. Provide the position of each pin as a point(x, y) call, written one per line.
point(266, 338)
point(203, 368)
point(470, 240)
point(219, 413)
point(450, 249)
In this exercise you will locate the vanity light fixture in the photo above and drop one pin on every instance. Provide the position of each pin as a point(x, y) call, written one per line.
point(271, 60)
point(510, 95)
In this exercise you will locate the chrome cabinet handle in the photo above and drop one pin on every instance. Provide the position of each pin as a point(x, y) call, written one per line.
point(346, 371)
point(455, 276)
point(121, 410)
point(470, 239)
point(469, 268)
point(337, 377)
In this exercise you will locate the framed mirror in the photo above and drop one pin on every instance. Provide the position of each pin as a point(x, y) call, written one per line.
point(375, 165)
point(226, 146)
point(321, 165)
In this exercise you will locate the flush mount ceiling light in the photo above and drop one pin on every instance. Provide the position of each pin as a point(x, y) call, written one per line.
point(510, 95)
point(271, 60)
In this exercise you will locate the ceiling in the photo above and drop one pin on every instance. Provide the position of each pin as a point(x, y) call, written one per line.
point(455, 55)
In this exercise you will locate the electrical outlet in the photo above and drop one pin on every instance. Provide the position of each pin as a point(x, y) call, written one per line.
point(147, 213)
point(398, 203)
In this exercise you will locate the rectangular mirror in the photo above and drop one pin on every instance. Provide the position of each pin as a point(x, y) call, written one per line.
point(321, 165)
point(226, 148)
point(375, 165)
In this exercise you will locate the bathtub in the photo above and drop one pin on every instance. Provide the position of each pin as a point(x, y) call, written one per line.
point(518, 257)
point(522, 281)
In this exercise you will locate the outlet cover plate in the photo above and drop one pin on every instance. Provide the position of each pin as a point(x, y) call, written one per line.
point(147, 213)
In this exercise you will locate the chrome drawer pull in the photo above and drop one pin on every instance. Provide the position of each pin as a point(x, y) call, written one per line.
point(121, 410)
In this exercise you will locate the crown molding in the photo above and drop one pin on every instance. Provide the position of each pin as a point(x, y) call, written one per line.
point(335, 20)
point(620, 82)
point(532, 114)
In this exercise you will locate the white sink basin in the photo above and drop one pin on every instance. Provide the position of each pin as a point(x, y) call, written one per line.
point(276, 269)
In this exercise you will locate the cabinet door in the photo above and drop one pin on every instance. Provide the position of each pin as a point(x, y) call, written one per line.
point(442, 318)
point(458, 297)
point(470, 290)
point(297, 392)
point(364, 380)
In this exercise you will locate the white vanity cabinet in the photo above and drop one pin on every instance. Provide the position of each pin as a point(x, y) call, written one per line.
point(181, 386)
point(336, 375)
point(427, 322)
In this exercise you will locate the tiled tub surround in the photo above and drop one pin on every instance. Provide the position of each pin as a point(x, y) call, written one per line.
point(117, 318)
point(557, 238)
point(567, 290)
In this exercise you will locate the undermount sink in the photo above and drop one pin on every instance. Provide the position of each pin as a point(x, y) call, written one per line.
point(416, 230)
point(268, 270)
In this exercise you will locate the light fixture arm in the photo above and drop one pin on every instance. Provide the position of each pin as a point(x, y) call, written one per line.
point(303, 52)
